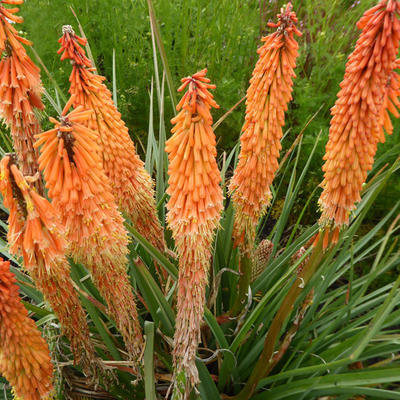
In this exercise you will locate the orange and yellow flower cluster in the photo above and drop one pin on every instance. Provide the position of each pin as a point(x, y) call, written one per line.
point(82, 196)
point(194, 210)
point(20, 89)
point(35, 233)
point(130, 182)
point(267, 100)
point(24, 354)
point(369, 90)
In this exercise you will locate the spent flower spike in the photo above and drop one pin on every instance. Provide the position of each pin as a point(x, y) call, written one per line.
point(24, 354)
point(36, 234)
point(20, 90)
point(369, 91)
point(267, 100)
point(131, 183)
point(193, 215)
point(82, 195)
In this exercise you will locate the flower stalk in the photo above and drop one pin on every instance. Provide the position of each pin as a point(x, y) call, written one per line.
point(266, 361)
point(193, 215)
point(267, 100)
point(369, 91)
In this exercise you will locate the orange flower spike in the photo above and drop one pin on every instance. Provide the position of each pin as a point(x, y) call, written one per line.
point(20, 90)
point(369, 90)
point(82, 196)
point(24, 355)
point(131, 183)
point(391, 101)
point(193, 213)
point(267, 100)
point(34, 232)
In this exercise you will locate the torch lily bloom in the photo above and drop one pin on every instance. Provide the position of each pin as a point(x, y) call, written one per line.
point(267, 100)
point(36, 234)
point(20, 90)
point(368, 91)
point(130, 182)
point(24, 354)
point(193, 214)
point(82, 196)
point(390, 102)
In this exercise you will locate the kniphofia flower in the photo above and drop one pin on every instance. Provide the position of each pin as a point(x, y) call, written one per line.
point(82, 195)
point(131, 183)
point(20, 90)
point(36, 234)
point(267, 100)
point(391, 101)
point(24, 354)
point(193, 212)
point(368, 91)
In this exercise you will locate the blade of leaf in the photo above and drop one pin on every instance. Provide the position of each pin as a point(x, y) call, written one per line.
point(149, 379)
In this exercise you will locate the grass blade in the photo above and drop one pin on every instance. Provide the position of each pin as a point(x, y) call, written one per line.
point(155, 31)
point(114, 80)
point(160, 258)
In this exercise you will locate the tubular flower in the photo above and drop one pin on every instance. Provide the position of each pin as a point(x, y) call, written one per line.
point(390, 102)
point(266, 102)
point(368, 91)
point(83, 197)
point(20, 90)
point(193, 212)
point(35, 233)
point(131, 183)
point(24, 355)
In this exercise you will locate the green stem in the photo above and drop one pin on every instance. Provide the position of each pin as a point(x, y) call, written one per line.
point(245, 266)
point(265, 361)
point(163, 54)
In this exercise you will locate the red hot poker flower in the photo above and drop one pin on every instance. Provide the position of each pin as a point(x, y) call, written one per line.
point(131, 183)
point(24, 355)
point(391, 101)
point(369, 89)
point(82, 195)
point(267, 100)
point(20, 90)
point(36, 234)
point(193, 214)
